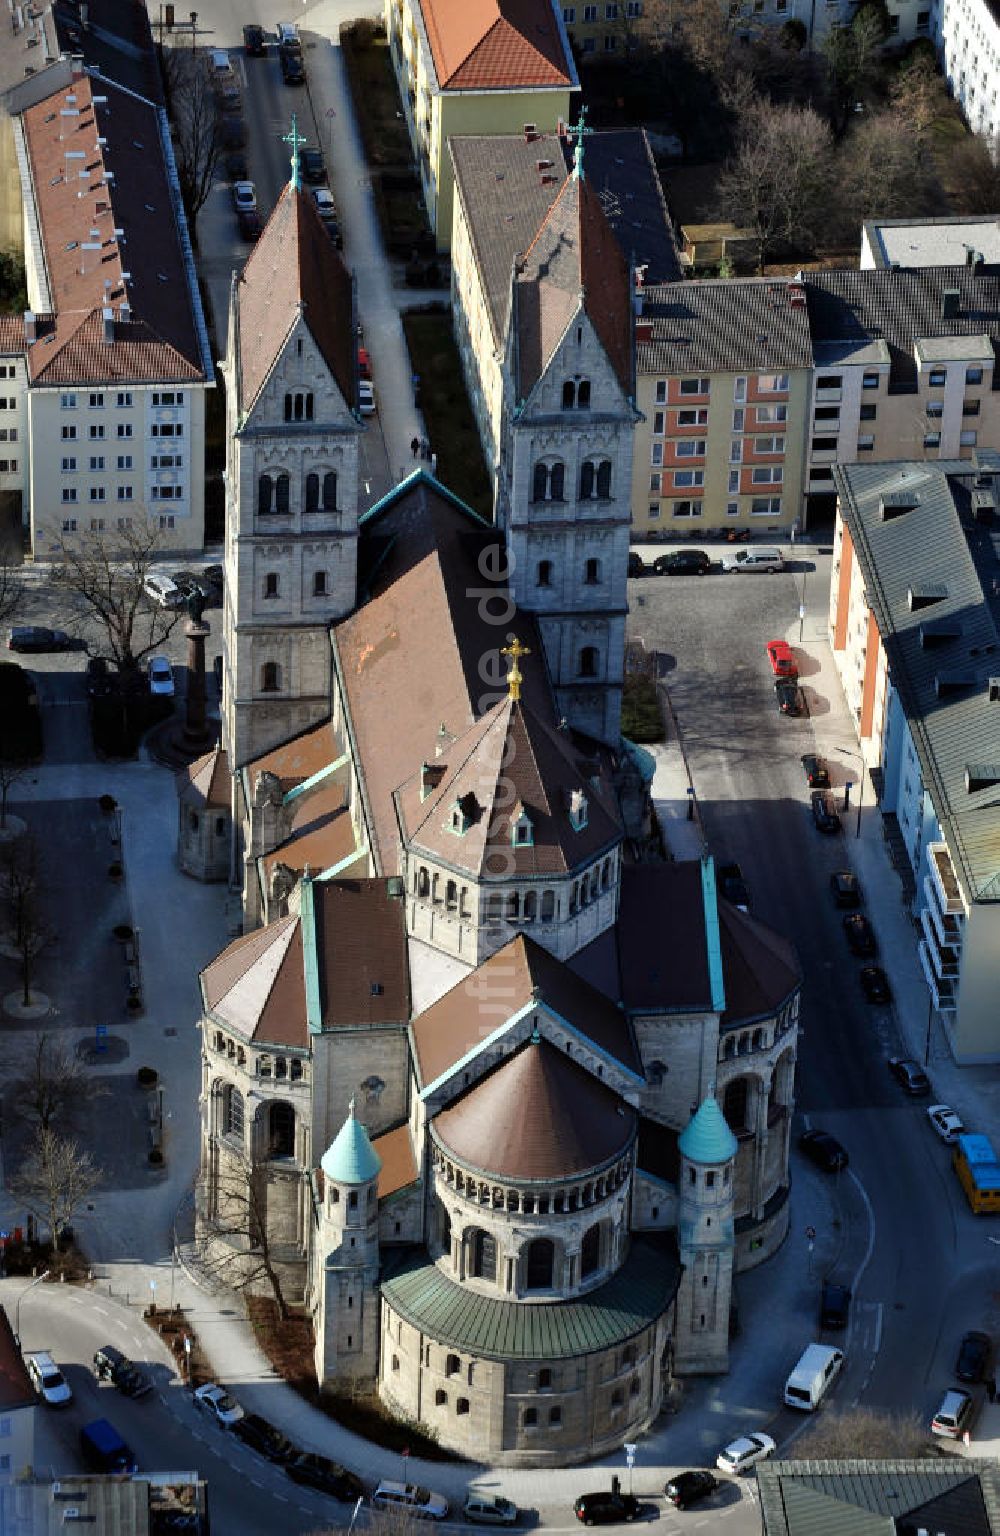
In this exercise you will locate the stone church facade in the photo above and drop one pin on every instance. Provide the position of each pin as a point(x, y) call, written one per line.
point(501, 1097)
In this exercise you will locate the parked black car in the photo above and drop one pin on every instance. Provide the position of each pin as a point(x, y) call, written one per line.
point(248, 221)
point(111, 1365)
point(789, 697)
point(261, 1436)
point(606, 1508)
point(253, 40)
point(834, 1305)
point(816, 772)
point(33, 637)
point(237, 165)
point(875, 984)
point(292, 71)
point(973, 1356)
point(637, 565)
point(846, 888)
point(682, 562)
point(689, 1488)
point(311, 166)
point(100, 678)
point(909, 1076)
point(860, 934)
point(824, 1150)
point(824, 812)
point(326, 1475)
point(733, 886)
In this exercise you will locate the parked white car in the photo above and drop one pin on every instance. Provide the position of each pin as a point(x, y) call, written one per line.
point(215, 1400)
point(161, 676)
point(414, 1500)
point(743, 1453)
point(47, 1379)
point(946, 1122)
point(366, 397)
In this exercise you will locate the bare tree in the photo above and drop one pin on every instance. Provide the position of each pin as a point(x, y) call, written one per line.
point(194, 114)
point(49, 1083)
point(864, 1433)
point(30, 932)
point(239, 1227)
point(10, 772)
point(11, 585)
point(778, 181)
point(107, 574)
point(972, 175)
point(918, 97)
point(852, 61)
point(884, 172)
point(54, 1180)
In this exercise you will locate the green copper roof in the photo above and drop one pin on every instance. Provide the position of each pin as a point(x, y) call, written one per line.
point(631, 1300)
point(351, 1158)
point(707, 1138)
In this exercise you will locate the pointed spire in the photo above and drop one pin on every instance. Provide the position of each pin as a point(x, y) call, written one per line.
point(296, 140)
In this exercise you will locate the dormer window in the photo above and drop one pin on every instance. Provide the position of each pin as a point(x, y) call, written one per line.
point(463, 814)
point(522, 833)
point(578, 810)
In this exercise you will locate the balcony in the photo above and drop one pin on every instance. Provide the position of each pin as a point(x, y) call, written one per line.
point(945, 958)
point(947, 930)
point(943, 993)
point(828, 396)
point(947, 890)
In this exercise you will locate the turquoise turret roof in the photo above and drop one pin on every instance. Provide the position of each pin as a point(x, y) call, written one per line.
point(351, 1158)
point(707, 1138)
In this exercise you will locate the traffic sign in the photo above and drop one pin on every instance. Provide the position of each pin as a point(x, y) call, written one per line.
point(811, 1234)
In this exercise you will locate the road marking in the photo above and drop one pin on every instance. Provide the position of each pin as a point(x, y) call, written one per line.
point(102, 1310)
point(282, 1497)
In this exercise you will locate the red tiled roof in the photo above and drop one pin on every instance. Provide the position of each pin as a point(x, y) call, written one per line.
point(322, 832)
point(574, 259)
point(508, 763)
point(361, 953)
point(539, 1115)
point(256, 987)
point(299, 758)
point(495, 45)
point(11, 333)
point(399, 1167)
point(294, 268)
point(79, 208)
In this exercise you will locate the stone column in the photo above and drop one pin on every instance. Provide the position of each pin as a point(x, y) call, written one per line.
point(196, 734)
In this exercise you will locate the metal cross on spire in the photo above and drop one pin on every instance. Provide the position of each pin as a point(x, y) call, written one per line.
point(296, 140)
point(515, 677)
point(579, 133)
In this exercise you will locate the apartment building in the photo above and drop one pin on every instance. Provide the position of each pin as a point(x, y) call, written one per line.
point(962, 240)
point(904, 366)
point(105, 374)
point(476, 67)
point(966, 34)
point(505, 186)
point(724, 373)
point(608, 29)
point(914, 608)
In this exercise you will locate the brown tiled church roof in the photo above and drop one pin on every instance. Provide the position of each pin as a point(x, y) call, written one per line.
point(573, 260)
point(759, 966)
point(256, 987)
point(495, 45)
point(297, 759)
point(399, 1168)
point(510, 762)
point(511, 979)
point(295, 268)
point(537, 1116)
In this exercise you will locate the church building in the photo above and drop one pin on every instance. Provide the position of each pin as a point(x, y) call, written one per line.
point(506, 1096)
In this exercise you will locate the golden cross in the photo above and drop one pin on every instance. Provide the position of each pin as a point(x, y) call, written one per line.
point(514, 677)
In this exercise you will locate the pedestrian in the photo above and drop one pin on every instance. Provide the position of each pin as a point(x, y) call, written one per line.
point(425, 450)
point(414, 446)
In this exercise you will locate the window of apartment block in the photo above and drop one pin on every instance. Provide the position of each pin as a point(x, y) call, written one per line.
point(698, 417)
point(732, 509)
point(829, 381)
point(69, 434)
point(769, 445)
point(685, 509)
point(124, 461)
point(67, 402)
point(656, 453)
point(932, 439)
point(739, 390)
point(166, 522)
point(96, 402)
point(68, 466)
point(658, 420)
point(734, 481)
point(973, 375)
point(968, 439)
point(124, 429)
point(124, 493)
point(611, 10)
point(97, 525)
point(970, 407)
point(870, 381)
point(923, 20)
point(769, 474)
point(569, 14)
point(661, 391)
point(772, 415)
point(8, 466)
point(738, 418)
point(772, 383)
point(938, 378)
point(97, 493)
point(824, 444)
point(827, 413)
point(694, 386)
point(688, 479)
point(935, 408)
point(123, 399)
point(736, 451)
point(69, 493)
point(868, 412)
point(96, 431)
point(633, 9)
point(69, 525)
point(691, 448)
point(96, 462)
point(865, 444)
point(589, 46)
point(765, 506)
point(653, 510)
point(654, 482)
point(590, 13)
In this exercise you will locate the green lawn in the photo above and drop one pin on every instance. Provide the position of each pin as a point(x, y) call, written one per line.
point(445, 405)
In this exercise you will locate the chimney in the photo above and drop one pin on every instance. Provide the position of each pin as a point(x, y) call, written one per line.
point(30, 328)
point(643, 330)
point(125, 313)
point(949, 303)
point(108, 316)
point(981, 776)
point(530, 133)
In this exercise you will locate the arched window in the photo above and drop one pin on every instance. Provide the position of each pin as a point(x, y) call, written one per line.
point(280, 1130)
point(299, 407)
point(604, 479)
point(513, 906)
point(452, 1365)
point(543, 576)
point(548, 906)
point(557, 482)
point(587, 478)
point(451, 895)
point(265, 495)
point(281, 493)
point(530, 906)
point(590, 1251)
point(605, 874)
point(583, 394)
point(555, 1415)
point(232, 1112)
point(423, 882)
point(270, 677)
point(484, 1255)
point(462, 1405)
point(312, 492)
point(530, 1418)
point(445, 1229)
point(588, 661)
point(569, 395)
point(440, 1398)
point(329, 491)
point(540, 482)
point(288, 407)
point(309, 407)
point(736, 1103)
point(592, 572)
point(541, 1261)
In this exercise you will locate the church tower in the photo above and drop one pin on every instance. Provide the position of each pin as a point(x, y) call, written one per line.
point(346, 1247)
point(705, 1238)
point(564, 477)
point(293, 429)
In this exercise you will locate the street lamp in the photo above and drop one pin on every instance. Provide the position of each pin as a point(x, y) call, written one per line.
point(861, 781)
point(17, 1310)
